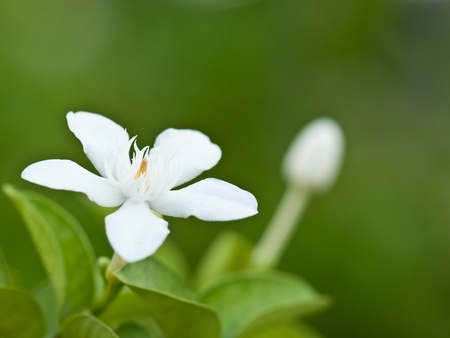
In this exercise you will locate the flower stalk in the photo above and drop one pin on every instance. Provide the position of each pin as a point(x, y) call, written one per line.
point(272, 244)
point(116, 263)
point(310, 167)
point(113, 285)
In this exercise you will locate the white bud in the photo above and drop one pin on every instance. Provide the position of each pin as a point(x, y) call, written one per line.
point(314, 158)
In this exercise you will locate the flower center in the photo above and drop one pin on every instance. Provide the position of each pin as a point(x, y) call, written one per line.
point(142, 169)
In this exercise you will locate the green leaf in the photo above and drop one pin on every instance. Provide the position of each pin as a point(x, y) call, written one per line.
point(127, 306)
point(170, 255)
point(167, 296)
point(248, 301)
point(133, 330)
point(5, 278)
point(46, 299)
point(20, 315)
point(153, 275)
point(286, 330)
point(86, 326)
point(229, 252)
point(63, 247)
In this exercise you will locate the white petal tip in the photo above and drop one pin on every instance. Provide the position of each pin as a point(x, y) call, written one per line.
point(314, 158)
point(135, 232)
point(209, 200)
point(140, 251)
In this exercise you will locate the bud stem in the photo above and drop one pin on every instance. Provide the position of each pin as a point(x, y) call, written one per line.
point(116, 263)
point(113, 285)
point(272, 244)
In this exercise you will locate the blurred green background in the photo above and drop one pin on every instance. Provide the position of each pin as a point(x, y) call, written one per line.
point(250, 74)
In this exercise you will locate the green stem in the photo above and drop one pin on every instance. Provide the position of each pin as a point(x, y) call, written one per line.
point(272, 244)
point(111, 291)
point(113, 286)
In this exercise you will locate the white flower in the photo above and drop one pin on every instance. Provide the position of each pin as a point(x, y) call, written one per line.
point(143, 185)
point(313, 160)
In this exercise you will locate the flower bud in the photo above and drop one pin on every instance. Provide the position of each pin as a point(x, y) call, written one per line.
point(314, 158)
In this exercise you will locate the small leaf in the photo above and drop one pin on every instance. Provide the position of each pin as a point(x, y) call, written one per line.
point(133, 330)
point(5, 277)
point(248, 301)
point(230, 252)
point(167, 296)
point(46, 299)
point(20, 315)
point(62, 245)
point(86, 326)
point(153, 275)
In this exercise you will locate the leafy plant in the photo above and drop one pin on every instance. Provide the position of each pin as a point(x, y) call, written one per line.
point(140, 293)
point(231, 300)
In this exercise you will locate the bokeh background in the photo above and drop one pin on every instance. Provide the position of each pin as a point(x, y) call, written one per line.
point(250, 74)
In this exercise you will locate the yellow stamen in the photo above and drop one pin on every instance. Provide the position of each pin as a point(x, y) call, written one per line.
point(142, 169)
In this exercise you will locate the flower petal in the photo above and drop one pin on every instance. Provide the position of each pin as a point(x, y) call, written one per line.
point(186, 152)
point(67, 175)
point(134, 231)
point(101, 138)
point(209, 200)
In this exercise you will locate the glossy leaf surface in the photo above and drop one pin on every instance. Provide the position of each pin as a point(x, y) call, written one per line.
point(133, 330)
point(45, 297)
point(168, 299)
point(248, 301)
point(20, 315)
point(63, 248)
point(86, 326)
